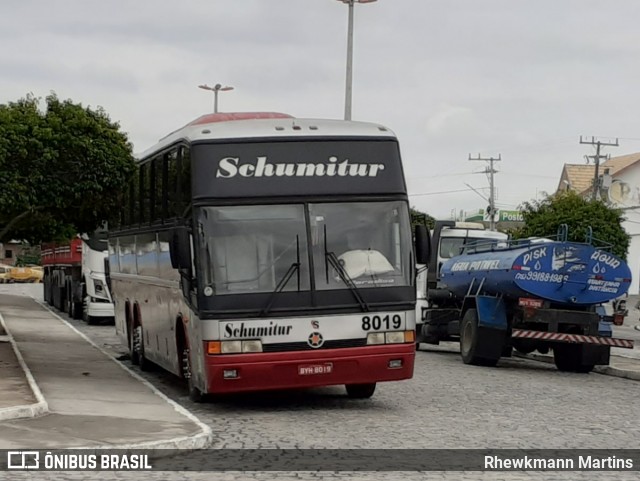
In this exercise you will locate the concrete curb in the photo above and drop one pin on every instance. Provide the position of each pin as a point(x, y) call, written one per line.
point(197, 441)
point(606, 370)
point(38, 408)
point(617, 372)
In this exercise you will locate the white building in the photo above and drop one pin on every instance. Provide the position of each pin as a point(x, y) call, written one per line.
point(619, 184)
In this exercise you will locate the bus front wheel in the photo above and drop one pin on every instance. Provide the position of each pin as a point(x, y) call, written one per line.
point(361, 391)
point(195, 394)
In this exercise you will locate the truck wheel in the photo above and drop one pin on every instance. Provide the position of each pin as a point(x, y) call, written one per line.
point(568, 358)
point(69, 305)
point(472, 341)
point(77, 310)
point(361, 391)
point(47, 289)
point(523, 347)
point(60, 298)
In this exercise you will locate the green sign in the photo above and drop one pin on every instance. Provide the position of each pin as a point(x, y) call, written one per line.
point(511, 216)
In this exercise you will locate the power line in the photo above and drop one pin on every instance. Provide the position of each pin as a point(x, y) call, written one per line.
point(442, 192)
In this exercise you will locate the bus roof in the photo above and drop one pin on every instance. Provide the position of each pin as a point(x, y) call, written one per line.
point(238, 125)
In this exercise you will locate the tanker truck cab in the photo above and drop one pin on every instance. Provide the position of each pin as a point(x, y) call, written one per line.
point(447, 239)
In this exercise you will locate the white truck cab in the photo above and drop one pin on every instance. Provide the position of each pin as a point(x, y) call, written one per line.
point(448, 239)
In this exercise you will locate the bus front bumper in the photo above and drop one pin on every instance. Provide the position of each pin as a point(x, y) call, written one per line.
point(303, 369)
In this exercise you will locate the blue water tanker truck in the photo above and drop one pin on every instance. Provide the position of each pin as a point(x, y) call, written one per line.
point(534, 294)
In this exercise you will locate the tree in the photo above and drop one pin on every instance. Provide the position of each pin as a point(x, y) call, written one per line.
point(421, 218)
point(63, 170)
point(542, 219)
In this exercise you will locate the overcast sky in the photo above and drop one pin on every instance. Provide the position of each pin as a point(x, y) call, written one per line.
point(523, 79)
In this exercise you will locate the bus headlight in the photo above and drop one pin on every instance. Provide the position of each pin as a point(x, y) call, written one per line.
point(235, 347)
point(375, 338)
point(396, 337)
point(252, 346)
point(391, 337)
point(229, 347)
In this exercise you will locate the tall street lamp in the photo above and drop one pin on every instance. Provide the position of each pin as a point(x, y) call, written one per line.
point(215, 89)
point(347, 100)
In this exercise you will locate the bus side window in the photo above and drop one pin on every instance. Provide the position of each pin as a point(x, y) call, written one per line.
point(144, 192)
point(134, 199)
point(151, 185)
point(124, 211)
point(172, 183)
point(158, 168)
point(161, 187)
point(184, 180)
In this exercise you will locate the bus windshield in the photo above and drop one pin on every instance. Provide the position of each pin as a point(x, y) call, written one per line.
point(250, 249)
point(368, 239)
point(265, 248)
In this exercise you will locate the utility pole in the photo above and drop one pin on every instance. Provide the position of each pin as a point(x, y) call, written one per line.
point(596, 158)
point(492, 200)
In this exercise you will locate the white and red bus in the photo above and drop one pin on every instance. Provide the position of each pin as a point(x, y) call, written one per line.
point(258, 251)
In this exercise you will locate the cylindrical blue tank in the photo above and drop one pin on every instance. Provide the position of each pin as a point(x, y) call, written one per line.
point(563, 272)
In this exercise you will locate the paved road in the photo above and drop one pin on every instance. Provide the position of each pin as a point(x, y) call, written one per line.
point(520, 404)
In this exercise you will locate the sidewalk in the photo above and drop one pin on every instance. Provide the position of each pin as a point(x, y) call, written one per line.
point(92, 400)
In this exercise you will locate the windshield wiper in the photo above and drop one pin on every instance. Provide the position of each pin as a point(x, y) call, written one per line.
point(293, 268)
point(331, 258)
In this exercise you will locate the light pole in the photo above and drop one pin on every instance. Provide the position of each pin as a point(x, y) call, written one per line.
point(215, 89)
point(347, 100)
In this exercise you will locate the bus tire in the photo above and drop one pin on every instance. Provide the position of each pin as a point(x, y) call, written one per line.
point(195, 394)
point(361, 391)
point(138, 347)
point(473, 339)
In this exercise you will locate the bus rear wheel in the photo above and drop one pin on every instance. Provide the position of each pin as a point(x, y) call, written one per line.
point(361, 391)
point(137, 344)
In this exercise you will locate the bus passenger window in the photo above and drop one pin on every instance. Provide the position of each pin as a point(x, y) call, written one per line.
point(124, 211)
point(134, 199)
point(172, 183)
point(158, 167)
point(152, 191)
point(144, 192)
point(185, 180)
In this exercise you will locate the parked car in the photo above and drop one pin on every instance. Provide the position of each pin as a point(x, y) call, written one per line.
point(5, 274)
point(26, 274)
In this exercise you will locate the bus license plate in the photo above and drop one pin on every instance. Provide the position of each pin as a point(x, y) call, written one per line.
point(311, 369)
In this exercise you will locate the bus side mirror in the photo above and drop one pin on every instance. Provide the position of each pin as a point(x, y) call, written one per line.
point(180, 248)
point(422, 244)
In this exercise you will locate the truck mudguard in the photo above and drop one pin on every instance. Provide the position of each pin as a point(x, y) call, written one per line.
point(491, 312)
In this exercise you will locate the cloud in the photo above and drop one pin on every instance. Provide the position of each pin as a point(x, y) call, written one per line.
point(448, 120)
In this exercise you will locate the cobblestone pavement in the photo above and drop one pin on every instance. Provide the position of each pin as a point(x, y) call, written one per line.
point(520, 404)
